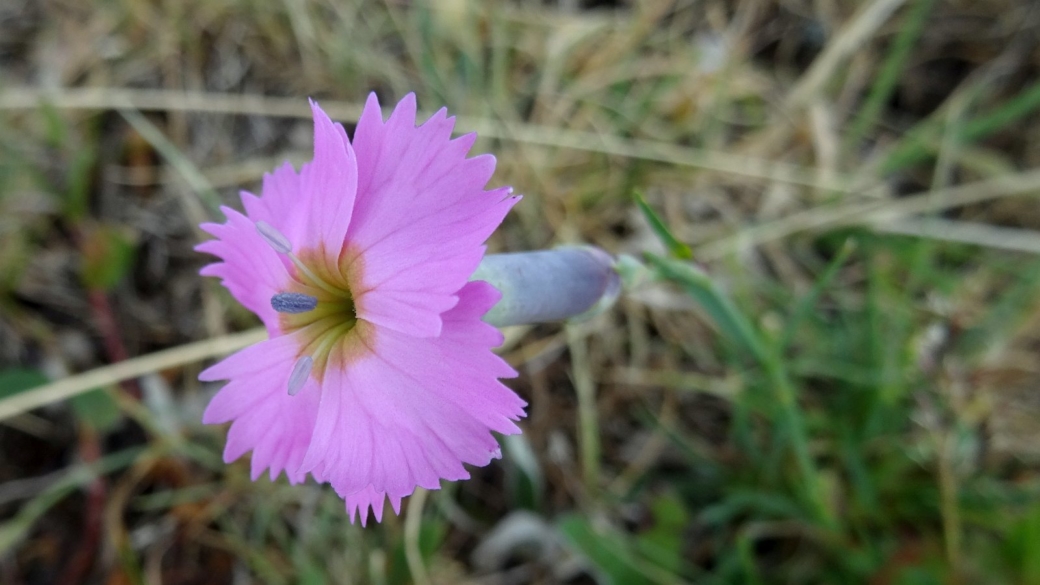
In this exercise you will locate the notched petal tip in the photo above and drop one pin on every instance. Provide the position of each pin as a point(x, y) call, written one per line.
point(372, 105)
point(329, 136)
point(404, 112)
point(317, 113)
point(440, 117)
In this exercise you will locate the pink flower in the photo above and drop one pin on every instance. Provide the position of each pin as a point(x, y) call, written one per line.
point(378, 375)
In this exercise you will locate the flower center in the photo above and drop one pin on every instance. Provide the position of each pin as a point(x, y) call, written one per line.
point(331, 331)
point(319, 308)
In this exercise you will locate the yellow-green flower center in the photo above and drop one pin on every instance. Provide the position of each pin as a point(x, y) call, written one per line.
point(331, 332)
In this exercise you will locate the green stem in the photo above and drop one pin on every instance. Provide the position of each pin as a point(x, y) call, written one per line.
point(794, 427)
point(733, 324)
point(951, 516)
point(588, 418)
point(888, 76)
point(918, 145)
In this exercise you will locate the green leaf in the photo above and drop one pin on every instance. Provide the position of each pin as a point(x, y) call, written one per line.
point(807, 303)
point(311, 573)
point(759, 503)
point(525, 480)
point(15, 380)
point(663, 543)
point(55, 125)
point(676, 249)
point(919, 144)
point(1021, 546)
point(108, 255)
point(730, 321)
point(432, 533)
point(887, 78)
point(77, 191)
point(606, 549)
point(97, 409)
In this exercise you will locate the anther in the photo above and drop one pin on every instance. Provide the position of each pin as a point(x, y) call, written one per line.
point(293, 302)
point(281, 244)
point(273, 237)
point(300, 372)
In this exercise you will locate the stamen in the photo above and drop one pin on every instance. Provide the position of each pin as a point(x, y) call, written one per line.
point(273, 237)
point(281, 244)
point(317, 281)
point(292, 302)
point(300, 372)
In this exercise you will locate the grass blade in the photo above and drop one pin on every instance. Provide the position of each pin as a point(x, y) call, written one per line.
point(676, 249)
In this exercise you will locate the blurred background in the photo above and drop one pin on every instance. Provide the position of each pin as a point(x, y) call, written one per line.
point(832, 379)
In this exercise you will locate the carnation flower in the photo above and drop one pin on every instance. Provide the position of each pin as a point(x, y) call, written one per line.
point(378, 374)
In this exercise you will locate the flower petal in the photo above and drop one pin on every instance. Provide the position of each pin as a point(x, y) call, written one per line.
point(408, 312)
point(359, 503)
point(329, 185)
point(250, 270)
point(421, 212)
point(275, 426)
point(281, 204)
point(313, 208)
point(416, 409)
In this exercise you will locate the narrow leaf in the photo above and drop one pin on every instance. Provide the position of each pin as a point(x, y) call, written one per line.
point(676, 249)
point(729, 320)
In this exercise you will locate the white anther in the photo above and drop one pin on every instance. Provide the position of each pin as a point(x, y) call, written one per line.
point(300, 372)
